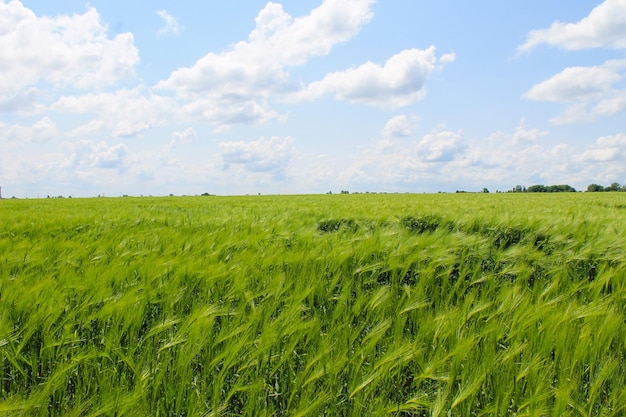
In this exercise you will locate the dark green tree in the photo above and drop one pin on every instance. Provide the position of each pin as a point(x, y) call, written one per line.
point(537, 189)
point(613, 187)
point(593, 188)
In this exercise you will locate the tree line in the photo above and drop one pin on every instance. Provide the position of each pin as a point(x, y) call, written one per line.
point(564, 188)
point(613, 187)
point(561, 188)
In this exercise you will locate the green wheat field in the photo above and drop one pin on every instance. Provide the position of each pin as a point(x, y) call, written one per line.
point(327, 305)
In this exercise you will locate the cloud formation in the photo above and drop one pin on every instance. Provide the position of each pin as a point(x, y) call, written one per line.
point(440, 146)
point(576, 83)
point(399, 157)
point(589, 92)
point(523, 135)
point(606, 149)
point(397, 127)
point(86, 155)
point(123, 113)
point(233, 87)
point(397, 83)
point(186, 136)
point(41, 131)
point(444, 157)
point(237, 86)
point(270, 156)
point(75, 112)
point(256, 67)
point(603, 27)
point(63, 51)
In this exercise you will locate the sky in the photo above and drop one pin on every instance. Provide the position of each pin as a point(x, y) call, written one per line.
point(110, 97)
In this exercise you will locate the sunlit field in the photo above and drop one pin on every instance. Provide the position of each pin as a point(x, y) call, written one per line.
point(334, 305)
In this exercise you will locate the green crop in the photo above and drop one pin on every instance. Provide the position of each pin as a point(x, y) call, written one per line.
point(338, 305)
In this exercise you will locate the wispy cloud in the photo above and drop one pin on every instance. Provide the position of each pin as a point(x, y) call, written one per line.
point(261, 156)
point(170, 24)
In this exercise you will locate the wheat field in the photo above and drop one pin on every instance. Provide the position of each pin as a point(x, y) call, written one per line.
point(319, 305)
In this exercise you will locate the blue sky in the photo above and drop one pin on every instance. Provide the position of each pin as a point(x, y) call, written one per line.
point(245, 97)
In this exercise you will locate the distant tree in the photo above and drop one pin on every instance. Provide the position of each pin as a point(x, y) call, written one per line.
point(485, 190)
point(562, 188)
point(613, 187)
point(537, 189)
point(592, 188)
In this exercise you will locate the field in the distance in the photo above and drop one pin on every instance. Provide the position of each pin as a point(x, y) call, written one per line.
point(337, 305)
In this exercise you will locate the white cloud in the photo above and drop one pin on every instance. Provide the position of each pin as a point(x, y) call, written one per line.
point(397, 127)
point(24, 101)
point(255, 68)
point(603, 161)
point(522, 134)
point(87, 155)
point(613, 104)
point(602, 155)
point(397, 83)
point(125, 112)
point(261, 156)
point(447, 58)
point(111, 157)
point(604, 26)
point(589, 91)
point(187, 136)
point(404, 160)
point(170, 24)
point(43, 130)
point(156, 169)
point(606, 149)
point(225, 112)
point(93, 167)
point(63, 51)
point(440, 146)
point(444, 158)
point(616, 140)
point(575, 83)
point(235, 86)
point(499, 162)
point(575, 113)
point(291, 41)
